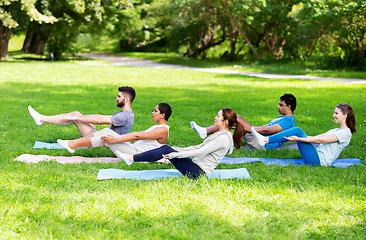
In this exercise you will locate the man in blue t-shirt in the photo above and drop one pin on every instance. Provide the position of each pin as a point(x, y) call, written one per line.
point(286, 108)
point(121, 122)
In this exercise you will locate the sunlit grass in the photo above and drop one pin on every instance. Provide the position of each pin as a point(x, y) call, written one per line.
point(55, 201)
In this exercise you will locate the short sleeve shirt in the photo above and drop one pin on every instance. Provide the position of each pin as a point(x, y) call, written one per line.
point(122, 122)
point(329, 152)
point(285, 123)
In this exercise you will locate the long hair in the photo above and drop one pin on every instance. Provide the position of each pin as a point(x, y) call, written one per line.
point(230, 115)
point(350, 120)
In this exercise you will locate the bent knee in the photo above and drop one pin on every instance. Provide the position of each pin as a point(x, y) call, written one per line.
point(76, 114)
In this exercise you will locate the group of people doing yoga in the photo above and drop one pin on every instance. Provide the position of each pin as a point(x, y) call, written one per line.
point(195, 161)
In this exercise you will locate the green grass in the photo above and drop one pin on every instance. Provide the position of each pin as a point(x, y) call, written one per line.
point(16, 42)
point(55, 201)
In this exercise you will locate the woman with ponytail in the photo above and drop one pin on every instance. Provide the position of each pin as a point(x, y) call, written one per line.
point(206, 156)
point(331, 143)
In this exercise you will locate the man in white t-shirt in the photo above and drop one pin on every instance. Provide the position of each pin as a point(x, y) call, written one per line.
point(121, 122)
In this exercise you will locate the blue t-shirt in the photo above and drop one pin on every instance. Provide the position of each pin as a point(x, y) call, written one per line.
point(285, 123)
point(122, 122)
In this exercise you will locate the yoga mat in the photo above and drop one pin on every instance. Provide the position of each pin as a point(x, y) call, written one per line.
point(29, 158)
point(38, 144)
point(112, 173)
point(346, 162)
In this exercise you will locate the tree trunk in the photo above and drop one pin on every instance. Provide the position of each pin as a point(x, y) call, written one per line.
point(27, 40)
point(235, 26)
point(38, 43)
point(5, 34)
point(36, 39)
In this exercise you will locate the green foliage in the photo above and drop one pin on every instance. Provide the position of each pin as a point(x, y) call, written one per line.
point(65, 201)
point(28, 6)
point(71, 16)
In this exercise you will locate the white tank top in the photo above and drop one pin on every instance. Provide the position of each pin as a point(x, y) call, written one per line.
point(146, 145)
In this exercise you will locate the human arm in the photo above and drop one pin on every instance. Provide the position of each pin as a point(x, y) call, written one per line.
point(203, 149)
point(269, 130)
point(160, 134)
point(277, 125)
point(190, 148)
point(322, 138)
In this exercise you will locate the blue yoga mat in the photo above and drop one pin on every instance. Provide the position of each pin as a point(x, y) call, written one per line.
point(346, 162)
point(112, 173)
point(38, 144)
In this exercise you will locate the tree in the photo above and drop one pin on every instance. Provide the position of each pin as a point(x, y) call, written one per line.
point(238, 12)
point(11, 11)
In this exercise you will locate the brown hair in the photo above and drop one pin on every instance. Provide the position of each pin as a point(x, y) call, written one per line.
point(230, 115)
point(350, 120)
point(129, 91)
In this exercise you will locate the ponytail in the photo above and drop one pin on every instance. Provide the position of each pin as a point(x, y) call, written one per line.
point(238, 135)
point(232, 118)
point(350, 120)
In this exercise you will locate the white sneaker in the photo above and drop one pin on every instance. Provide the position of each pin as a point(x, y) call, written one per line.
point(35, 115)
point(124, 157)
point(65, 144)
point(201, 131)
point(258, 136)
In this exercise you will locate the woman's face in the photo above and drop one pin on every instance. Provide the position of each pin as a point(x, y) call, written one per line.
point(219, 120)
point(156, 115)
point(339, 116)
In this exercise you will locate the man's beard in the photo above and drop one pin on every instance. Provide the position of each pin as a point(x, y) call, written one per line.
point(121, 104)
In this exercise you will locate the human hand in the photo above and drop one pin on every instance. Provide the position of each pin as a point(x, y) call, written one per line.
point(292, 138)
point(109, 139)
point(165, 156)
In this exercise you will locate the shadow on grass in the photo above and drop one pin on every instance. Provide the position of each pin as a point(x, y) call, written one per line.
point(22, 57)
point(52, 203)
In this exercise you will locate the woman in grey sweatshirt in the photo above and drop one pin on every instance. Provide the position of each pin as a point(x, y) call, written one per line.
point(205, 156)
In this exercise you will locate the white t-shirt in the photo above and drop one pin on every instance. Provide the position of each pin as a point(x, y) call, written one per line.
point(328, 152)
point(146, 145)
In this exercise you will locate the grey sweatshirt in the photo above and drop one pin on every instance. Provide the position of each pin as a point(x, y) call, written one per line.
point(209, 153)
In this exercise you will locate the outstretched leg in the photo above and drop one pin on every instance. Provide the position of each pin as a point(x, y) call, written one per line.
point(307, 150)
point(85, 129)
point(245, 124)
point(204, 131)
point(184, 165)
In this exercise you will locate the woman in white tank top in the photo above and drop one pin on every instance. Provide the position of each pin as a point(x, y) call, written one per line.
point(153, 137)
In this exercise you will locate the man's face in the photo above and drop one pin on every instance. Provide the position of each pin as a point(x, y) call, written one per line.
point(121, 99)
point(282, 108)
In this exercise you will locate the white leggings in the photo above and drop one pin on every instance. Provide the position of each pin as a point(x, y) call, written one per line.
point(123, 147)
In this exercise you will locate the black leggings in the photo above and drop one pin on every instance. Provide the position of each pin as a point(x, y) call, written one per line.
point(184, 165)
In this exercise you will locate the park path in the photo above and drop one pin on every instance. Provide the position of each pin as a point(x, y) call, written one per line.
point(134, 62)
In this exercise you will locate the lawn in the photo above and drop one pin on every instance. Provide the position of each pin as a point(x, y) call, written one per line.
point(55, 201)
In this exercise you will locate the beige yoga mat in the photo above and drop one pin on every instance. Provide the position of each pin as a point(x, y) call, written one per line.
point(30, 158)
